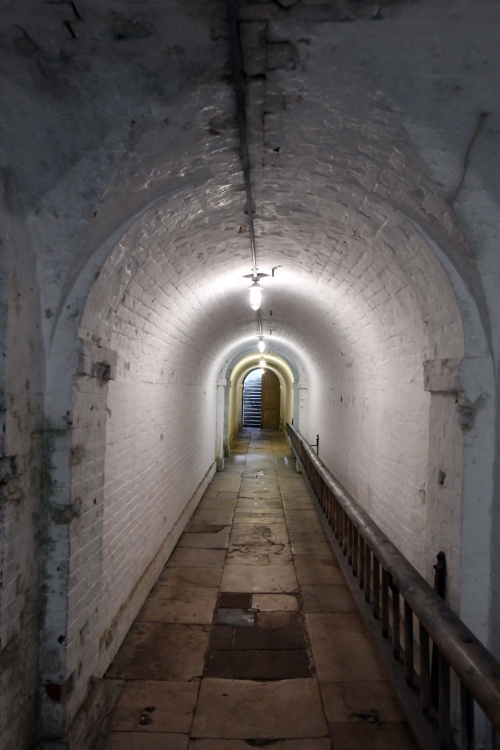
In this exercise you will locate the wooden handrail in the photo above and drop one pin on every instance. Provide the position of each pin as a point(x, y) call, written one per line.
point(475, 666)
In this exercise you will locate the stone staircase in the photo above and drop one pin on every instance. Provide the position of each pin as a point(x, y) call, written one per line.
point(252, 397)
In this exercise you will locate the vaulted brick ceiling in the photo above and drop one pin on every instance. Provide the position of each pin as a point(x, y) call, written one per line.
point(142, 166)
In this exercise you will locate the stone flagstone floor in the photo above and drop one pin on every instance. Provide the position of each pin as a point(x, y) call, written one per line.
point(251, 638)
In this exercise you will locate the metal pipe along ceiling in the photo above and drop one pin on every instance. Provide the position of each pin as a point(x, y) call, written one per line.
point(239, 90)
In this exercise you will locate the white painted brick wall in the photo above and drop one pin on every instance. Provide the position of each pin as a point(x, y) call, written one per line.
point(379, 432)
point(147, 441)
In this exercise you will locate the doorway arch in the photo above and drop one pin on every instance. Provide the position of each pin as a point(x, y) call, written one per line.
point(251, 395)
point(261, 399)
point(233, 407)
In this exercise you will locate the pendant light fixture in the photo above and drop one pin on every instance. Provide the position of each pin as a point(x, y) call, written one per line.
point(255, 295)
point(255, 289)
point(261, 345)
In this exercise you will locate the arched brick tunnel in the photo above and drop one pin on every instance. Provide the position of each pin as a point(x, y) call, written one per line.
point(373, 303)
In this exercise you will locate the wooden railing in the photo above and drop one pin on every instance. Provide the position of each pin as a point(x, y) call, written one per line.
point(400, 598)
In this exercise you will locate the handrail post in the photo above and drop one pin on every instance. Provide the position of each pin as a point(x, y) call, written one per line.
point(361, 543)
point(345, 532)
point(355, 550)
point(350, 540)
point(396, 634)
point(467, 719)
point(408, 636)
point(385, 603)
point(376, 588)
point(440, 589)
point(444, 704)
point(368, 572)
point(425, 670)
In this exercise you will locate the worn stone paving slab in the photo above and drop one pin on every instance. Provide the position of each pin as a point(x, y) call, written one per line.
point(259, 554)
point(302, 519)
point(270, 638)
point(324, 598)
point(346, 657)
point(262, 579)
point(155, 706)
point(181, 608)
point(262, 470)
point(219, 495)
point(216, 503)
point(258, 665)
point(258, 533)
point(293, 485)
point(144, 741)
point(211, 516)
point(197, 577)
point(313, 548)
point(246, 518)
point(161, 651)
point(217, 540)
point(389, 736)
point(260, 493)
point(247, 503)
point(346, 701)
point(260, 513)
point(225, 484)
point(186, 557)
point(328, 624)
point(303, 514)
point(205, 528)
point(241, 709)
point(296, 503)
point(303, 525)
point(307, 536)
point(316, 569)
point(234, 616)
point(221, 638)
point(261, 480)
point(278, 619)
point(272, 602)
point(175, 591)
point(237, 600)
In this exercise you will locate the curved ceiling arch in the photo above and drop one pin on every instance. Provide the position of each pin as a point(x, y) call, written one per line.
point(242, 367)
point(351, 265)
point(247, 348)
point(250, 362)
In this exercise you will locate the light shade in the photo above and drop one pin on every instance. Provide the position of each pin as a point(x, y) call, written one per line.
point(255, 295)
point(262, 362)
point(261, 345)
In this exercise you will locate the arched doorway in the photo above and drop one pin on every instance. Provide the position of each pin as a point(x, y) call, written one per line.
point(261, 400)
point(252, 399)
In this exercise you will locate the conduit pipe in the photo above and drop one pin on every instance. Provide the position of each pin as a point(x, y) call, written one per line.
point(239, 90)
